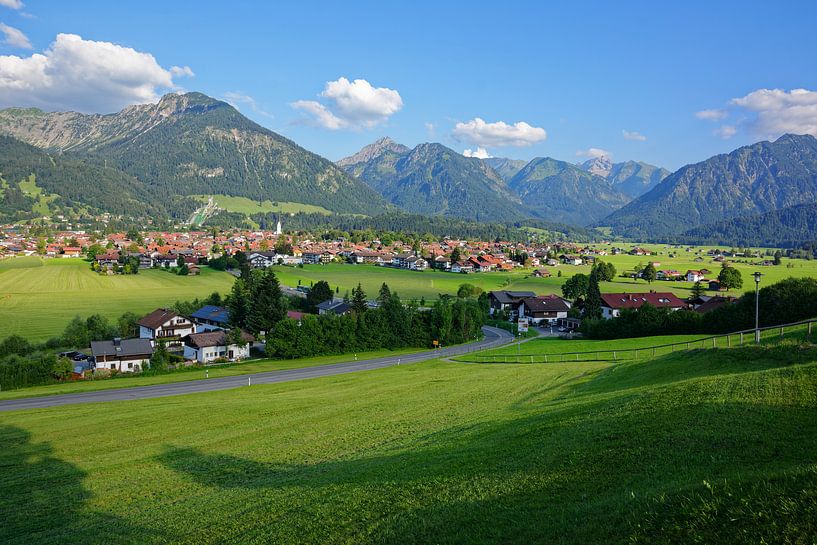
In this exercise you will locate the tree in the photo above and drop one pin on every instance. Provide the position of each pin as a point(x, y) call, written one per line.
point(267, 306)
point(384, 295)
point(127, 325)
point(42, 245)
point(319, 293)
point(697, 289)
point(777, 255)
point(359, 305)
point(456, 255)
point(592, 305)
point(605, 271)
point(576, 286)
point(99, 328)
point(184, 270)
point(63, 367)
point(15, 344)
point(282, 246)
point(239, 303)
point(236, 337)
point(76, 333)
point(180, 261)
point(468, 290)
point(160, 357)
point(730, 278)
point(649, 273)
point(94, 250)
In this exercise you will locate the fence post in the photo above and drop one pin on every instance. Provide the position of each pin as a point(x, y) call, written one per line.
point(546, 358)
point(713, 342)
point(809, 329)
point(741, 338)
point(653, 352)
point(728, 341)
point(614, 355)
point(781, 331)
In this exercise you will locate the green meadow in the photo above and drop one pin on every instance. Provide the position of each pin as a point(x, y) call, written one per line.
point(429, 283)
point(243, 205)
point(712, 446)
point(38, 297)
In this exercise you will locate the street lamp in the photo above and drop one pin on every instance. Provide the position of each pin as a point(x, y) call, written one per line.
point(757, 276)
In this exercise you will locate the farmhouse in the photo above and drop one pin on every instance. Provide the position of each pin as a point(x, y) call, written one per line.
point(694, 276)
point(210, 317)
point(123, 355)
point(541, 273)
point(330, 306)
point(613, 303)
point(506, 301)
point(544, 309)
point(165, 324)
point(212, 345)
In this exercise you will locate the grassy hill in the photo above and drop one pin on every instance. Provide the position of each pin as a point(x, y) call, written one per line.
point(714, 447)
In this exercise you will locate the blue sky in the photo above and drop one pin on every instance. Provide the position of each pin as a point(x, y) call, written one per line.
point(576, 74)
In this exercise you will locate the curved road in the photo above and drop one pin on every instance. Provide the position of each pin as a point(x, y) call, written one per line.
point(493, 337)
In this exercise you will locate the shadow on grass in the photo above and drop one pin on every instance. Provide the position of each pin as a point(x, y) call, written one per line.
point(43, 500)
point(615, 470)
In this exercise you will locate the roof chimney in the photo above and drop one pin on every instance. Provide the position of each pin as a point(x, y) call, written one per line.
point(117, 341)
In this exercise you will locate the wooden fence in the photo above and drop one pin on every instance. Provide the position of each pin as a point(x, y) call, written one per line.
point(728, 340)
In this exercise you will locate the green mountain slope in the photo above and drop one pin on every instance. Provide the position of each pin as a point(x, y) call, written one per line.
point(72, 184)
point(433, 179)
point(562, 192)
point(755, 179)
point(785, 227)
point(507, 168)
point(191, 144)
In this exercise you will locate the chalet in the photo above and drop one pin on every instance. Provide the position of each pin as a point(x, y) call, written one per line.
point(165, 260)
point(71, 251)
point(464, 267)
point(123, 355)
point(210, 317)
point(694, 276)
point(108, 258)
point(639, 251)
point(165, 324)
point(668, 274)
point(571, 259)
point(544, 309)
point(613, 303)
point(261, 260)
point(416, 264)
point(441, 262)
point(541, 273)
point(331, 306)
point(212, 345)
point(715, 285)
point(400, 260)
point(506, 301)
point(366, 256)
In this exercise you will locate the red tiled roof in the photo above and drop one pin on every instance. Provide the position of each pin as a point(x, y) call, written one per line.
point(635, 300)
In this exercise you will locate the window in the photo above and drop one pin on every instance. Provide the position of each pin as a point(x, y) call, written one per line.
point(130, 365)
point(113, 366)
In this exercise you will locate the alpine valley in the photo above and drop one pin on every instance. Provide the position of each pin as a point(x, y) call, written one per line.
point(191, 158)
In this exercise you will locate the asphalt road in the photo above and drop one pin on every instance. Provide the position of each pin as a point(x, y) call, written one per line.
point(493, 337)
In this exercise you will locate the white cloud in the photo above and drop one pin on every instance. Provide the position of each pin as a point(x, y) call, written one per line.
point(633, 135)
point(431, 129)
point(237, 97)
point(83, 75)
point(594, 153)
point(182, 71)
point(711, 115)
point(776, 111)
point(14, 37)
point(479, 153)
point(352, 105)
point(13, 4)
point(498, 134)
point(726, 131)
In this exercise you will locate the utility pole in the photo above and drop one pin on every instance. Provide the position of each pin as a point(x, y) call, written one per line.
point(757, 276)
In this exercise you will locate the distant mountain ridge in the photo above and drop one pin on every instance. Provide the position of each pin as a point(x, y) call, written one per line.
point(755, 179)
point(190, 144)
point(507, 168)
point(633, 178)
point(563, 192)
point(436, 180)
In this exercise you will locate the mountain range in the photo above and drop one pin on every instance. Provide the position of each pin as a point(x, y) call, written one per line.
point(756, 179)
point(191, 144)
point(159, 160)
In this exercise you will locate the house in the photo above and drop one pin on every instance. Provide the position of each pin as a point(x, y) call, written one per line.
point(716, 301)
point(613, 303)
point(194, 270)
point(366, 256)
point(123, 355)
point(416, 264)
point(715, 285)
point(70, 251)
point(571, 260)
point(569, 324)
point(461, 267)
point(544, 309)
point(668, 274)
point(165, 260)
point(694, 276)
point(541, 273)
point(210, 317)
point(506, 301)
point(261, 260)
point(107, 259)
point(330, 306)
point(442, 263)
point(167, 325)
point(212, 345)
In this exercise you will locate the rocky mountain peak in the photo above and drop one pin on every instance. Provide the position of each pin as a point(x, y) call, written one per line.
point(373, 151)
point(600, 166)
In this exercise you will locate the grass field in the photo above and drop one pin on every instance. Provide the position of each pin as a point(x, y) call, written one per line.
point(131, 380)
point(428, 284)
point(554, 345)
point(711, 447)
point(243, 205)
point(39, 297)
